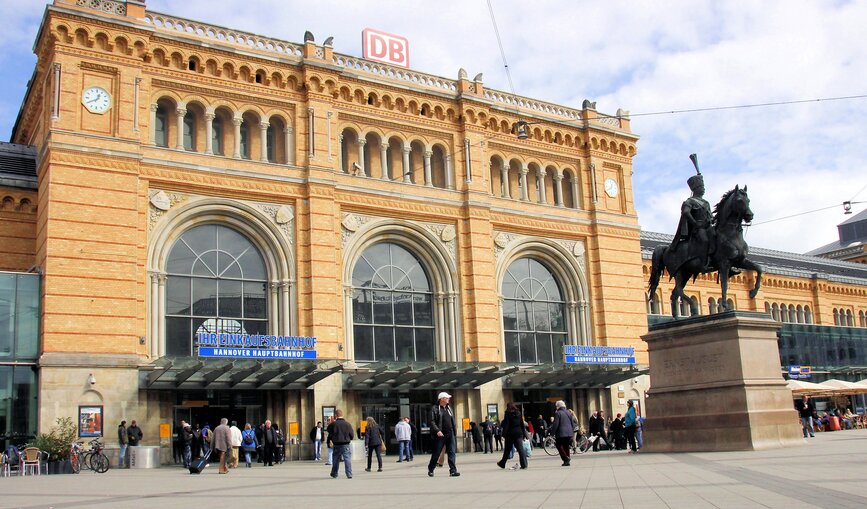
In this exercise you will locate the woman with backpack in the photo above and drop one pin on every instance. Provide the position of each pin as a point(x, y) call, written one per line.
point(206, 440)
point(248, 443)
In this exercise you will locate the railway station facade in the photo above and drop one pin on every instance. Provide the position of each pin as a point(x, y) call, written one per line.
point(189, 181)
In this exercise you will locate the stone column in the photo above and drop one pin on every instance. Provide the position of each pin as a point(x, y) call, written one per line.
point(263, 141)
point(209, 133)
point(540, 186)
point(237, 123)
point(558, 188)
point(504, 181)
point(575, 198)
point(349, 340)
point(153, 123)
point(440, 322)
point(361, 143)
point(525, 196)
point(289, 135)
point(161, 306)
point(155, 315)
point(285, 323)
point(450, 178)
point(340, 154)
point(407, 171)
point(427, 171)
point(452, 319)
point(273, 309)
point(179, 113)
point(383, 160)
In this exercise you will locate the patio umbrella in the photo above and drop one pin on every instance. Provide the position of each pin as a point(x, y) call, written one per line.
point(843, 387)
point(801, 387)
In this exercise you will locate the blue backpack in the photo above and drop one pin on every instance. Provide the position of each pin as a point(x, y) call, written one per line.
point(12, 454)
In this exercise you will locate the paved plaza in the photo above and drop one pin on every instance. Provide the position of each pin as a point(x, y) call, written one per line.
point(826, 472)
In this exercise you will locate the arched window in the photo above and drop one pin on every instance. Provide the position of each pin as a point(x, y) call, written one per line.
point(711, 306)
point(800, 312)
point(775, 312)
point(534, 313)
point(784, 313)
point(730, 304)
point(655, 305)
point(836, 317)
point(808, 315)
point(190, 131)
point(850, 322)
point(862, 319)
point(245, 140)
point(392, 310)
point(217, 136)
point(161, 138)
point(215, 282)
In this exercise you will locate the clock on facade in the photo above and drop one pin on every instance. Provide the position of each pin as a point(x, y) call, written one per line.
point(611, 188)
point(96, 100)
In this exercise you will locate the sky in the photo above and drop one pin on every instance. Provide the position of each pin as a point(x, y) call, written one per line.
point(642, 56)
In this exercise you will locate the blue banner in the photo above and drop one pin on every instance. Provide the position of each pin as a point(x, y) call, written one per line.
point(599, 359)
point(256, 353)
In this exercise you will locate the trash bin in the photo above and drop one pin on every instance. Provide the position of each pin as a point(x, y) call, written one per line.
point(144, 456)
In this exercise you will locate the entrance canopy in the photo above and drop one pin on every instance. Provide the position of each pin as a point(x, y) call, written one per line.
point(423, 375)
point(210, 373)
point(217, 373)
point(571, 376)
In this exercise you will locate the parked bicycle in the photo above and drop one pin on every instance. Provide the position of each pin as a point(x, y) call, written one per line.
point(580, 444)
point(91, 459)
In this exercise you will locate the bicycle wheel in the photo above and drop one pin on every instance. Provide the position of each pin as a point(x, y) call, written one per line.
point(550, 446)
point(583, 445)
point(100, 463)
point(75, 460)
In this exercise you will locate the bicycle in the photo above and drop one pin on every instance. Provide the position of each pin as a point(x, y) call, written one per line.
point(92, 459)
point(579, 445)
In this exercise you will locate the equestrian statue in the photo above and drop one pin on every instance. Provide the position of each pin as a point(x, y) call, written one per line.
point(706, 242)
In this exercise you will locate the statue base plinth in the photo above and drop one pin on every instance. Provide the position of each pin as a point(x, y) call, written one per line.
point(716, 385)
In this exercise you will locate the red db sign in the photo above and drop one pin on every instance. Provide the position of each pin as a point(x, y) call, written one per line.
point(385, 47)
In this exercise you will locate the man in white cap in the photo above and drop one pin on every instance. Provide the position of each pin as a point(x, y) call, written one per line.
point(444, 434)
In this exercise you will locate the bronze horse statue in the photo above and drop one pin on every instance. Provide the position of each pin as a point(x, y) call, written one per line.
point(728, 252)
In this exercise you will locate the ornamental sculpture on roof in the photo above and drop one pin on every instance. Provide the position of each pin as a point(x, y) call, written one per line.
point(706, 241)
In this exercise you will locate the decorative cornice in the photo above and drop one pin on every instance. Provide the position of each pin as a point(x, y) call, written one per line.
point(225, 94)
point(98, 67)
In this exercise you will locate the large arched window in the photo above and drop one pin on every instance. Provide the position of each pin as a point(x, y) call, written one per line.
point(534, 313)
point(391, 306)
point(190, 131)
point(245, 140)
point(217, 136)
point(215, 282)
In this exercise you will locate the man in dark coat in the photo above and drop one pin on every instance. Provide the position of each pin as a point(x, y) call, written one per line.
point(341, 435)
point(122, 442)
point(597, 428)
point(134, 433)
point(488, 432)
point(186, 440)
point(443, 434)
point(269, 444)
point(806, 409)
point(562, 428)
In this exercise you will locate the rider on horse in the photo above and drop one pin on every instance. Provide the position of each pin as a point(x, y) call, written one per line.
point(695, 226)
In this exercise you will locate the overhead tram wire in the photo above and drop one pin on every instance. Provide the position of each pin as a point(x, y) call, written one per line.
point(802, 213)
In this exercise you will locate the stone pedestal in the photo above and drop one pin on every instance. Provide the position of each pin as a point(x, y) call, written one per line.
point(716, 385)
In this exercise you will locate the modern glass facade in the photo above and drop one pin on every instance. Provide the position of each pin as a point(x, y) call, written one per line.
point(19, 349)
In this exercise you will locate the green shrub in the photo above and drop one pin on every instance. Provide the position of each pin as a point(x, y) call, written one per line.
point(58, 440)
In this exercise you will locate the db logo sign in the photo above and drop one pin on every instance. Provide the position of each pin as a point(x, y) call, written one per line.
point(385, 47)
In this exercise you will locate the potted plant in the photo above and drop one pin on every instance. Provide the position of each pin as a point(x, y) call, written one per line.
point(57, 443)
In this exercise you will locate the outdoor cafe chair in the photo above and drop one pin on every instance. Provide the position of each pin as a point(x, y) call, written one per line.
point(32, 457)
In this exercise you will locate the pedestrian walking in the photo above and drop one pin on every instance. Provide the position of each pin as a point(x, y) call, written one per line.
point(476, 432)
point(630, 422)
point(488, 433)
point(206, 438)
point(413, 438)
point(444, 431)
point(122, 442)
point(328, 445)
point(373, 441)
point(341, 436)
point(498, 435)
point(269, 444)
point(221, 440)
point(562, 430)
point(248, 444)
point(806, 409)
point(316, 437)
point(186, 440)
point(513, 432)
point(236, 445)
point(403, 434)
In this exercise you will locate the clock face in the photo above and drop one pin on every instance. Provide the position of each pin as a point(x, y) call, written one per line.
point(96, 100)
point(611, 188)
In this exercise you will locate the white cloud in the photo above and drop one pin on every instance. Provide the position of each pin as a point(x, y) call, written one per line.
point(640, 55)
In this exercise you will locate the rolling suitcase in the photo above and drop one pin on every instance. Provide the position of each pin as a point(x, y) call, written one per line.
point(198, 465)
